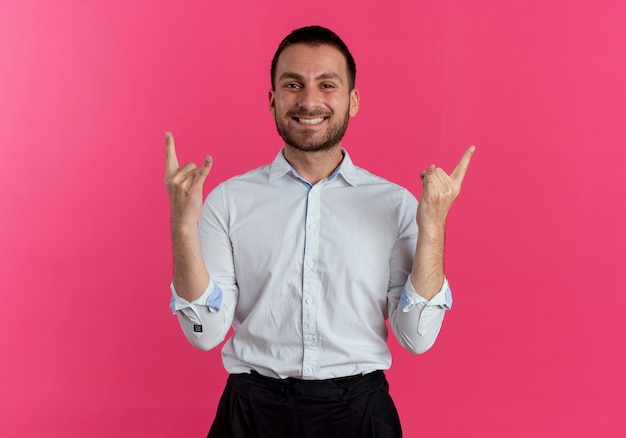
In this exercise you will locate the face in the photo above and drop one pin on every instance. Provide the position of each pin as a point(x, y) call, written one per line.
point(312, 101)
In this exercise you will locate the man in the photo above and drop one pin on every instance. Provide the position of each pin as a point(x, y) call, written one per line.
point(306, 258)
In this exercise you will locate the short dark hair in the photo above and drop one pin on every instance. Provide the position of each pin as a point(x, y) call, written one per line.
point(316, 36)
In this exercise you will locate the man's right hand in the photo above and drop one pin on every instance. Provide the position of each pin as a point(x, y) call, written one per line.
point(184, 186)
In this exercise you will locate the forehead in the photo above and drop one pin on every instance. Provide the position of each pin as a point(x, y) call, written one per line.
point(311, 60)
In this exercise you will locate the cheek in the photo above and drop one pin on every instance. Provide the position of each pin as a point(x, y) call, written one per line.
point(340, 104)
point(281, 105)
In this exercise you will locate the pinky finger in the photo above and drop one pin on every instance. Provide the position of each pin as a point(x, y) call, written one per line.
point(205, 168)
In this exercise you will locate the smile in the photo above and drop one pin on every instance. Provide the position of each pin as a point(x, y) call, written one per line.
point(310, 121)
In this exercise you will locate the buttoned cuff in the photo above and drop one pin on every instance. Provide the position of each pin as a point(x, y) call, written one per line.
point(412, 301)
point(409, 299)
point(211, 298)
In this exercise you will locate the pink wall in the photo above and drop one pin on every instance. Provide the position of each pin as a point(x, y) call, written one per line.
point(536, 343)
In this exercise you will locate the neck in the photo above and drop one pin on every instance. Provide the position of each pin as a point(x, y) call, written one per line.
point(313, 166)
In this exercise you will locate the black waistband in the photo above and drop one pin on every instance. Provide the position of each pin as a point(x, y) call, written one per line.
point(337, 387)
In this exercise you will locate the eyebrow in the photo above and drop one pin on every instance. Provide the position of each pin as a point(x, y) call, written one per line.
point(323, 76)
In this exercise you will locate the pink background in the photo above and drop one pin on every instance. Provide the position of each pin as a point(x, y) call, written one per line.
point(536, 255)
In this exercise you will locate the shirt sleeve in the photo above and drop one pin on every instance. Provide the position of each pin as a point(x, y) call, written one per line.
point(415, 321)
point(409, 299)
point(211, 298)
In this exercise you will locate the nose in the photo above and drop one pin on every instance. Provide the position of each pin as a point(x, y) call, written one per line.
point(308, 97)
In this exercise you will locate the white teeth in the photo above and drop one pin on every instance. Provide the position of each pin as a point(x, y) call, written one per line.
point(311, 121)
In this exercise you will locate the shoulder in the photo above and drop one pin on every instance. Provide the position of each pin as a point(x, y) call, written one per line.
point(254, 176)
point(238, 187)
point(370, 181)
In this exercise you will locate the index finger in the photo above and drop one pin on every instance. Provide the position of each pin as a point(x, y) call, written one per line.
point(171, 161)
point(461, 169)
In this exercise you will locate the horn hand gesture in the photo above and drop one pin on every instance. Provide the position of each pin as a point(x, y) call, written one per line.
point(440, 191)
point(184, 186)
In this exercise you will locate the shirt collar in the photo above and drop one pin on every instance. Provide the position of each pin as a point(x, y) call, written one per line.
point(346, 168)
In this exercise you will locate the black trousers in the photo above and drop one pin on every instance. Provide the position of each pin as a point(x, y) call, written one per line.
point(261, 407)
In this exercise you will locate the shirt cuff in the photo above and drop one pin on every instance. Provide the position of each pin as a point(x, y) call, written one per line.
point(211, 298)
point(410, 299)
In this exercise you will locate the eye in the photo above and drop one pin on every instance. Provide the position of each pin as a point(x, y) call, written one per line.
point(291, 86)
point(328, 86)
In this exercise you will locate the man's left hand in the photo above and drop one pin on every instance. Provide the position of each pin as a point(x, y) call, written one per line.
point(440, 191)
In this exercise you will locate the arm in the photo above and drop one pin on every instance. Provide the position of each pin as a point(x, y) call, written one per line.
point(417, 319)
point(184, 187)
point(440, 191)
point(204, 314)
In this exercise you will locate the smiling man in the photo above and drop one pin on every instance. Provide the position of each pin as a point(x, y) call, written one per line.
point(306, 258)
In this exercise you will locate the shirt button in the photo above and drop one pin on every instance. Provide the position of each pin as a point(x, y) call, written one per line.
point(309, 370)
point(309, 263)
point(311, 226)
point(308, 301)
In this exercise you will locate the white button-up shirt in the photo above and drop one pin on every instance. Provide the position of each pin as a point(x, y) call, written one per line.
point(308, 275)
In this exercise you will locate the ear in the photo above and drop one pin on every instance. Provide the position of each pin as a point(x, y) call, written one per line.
point(354, 102)
point(272, 102)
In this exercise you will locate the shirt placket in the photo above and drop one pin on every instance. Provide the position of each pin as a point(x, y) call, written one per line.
point(310, 283)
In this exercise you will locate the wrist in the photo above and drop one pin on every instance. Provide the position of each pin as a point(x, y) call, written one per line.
point(183, 228)
point(432, 230)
